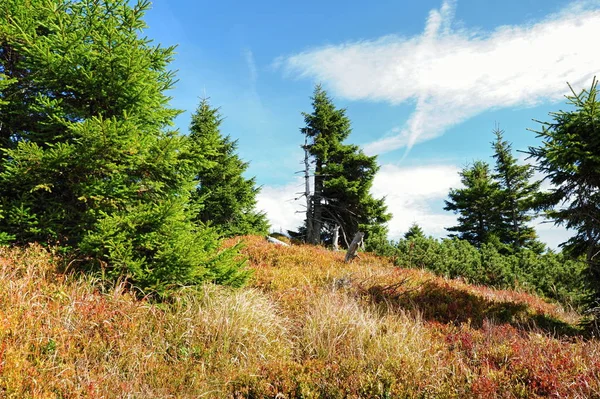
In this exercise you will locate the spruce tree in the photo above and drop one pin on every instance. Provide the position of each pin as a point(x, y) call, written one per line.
point(476, 204)
point(226, 197)
point(325, 128)
point(349, 175)
point(89, 162)
point(569, 156)
point(343, 176)
point(415, 231)
point(515, 199)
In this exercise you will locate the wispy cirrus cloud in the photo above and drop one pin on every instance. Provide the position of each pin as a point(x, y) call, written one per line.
point(251, 64)
point(455, 74)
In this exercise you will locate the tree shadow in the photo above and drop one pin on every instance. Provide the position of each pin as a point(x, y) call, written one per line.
point(444, 303)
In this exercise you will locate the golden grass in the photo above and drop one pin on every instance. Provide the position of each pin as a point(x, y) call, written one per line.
point(309, 325)
point(61, 338)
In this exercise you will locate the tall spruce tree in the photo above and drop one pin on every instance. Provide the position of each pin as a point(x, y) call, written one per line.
point(343, 176)
point(476, 204)
point(515, 199)
point(326, 128)
point(88, 161)
point(226, 197)
point(569, 156)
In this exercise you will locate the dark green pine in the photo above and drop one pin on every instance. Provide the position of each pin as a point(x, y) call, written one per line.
point(415, 231)
point(89, 161)
point(226, 198)
point(570, 158)
point(343, 177)
point(516, 198)
point(475, 204)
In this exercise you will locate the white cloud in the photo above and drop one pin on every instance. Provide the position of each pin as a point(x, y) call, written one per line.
point(279, 202)
point(413, 195)
point(455, 74)
point(409, 191)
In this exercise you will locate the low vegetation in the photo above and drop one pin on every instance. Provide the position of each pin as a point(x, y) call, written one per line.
point(308, 325)
point(555, 276)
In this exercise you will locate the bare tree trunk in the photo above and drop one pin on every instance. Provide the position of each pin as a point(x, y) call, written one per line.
point(309, 199)
point(317, 204)
point(354, 245)
point(336, 237)
point(275, 241)
point(340, 226)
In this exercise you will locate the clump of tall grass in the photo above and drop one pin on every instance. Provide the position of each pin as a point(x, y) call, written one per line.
point(241, 328)
point(339, 326)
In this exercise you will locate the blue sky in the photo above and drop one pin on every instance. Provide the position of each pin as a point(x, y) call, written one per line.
point(424, 83)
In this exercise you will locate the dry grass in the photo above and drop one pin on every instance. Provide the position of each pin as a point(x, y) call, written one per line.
point(60, 338)
point(308, 326)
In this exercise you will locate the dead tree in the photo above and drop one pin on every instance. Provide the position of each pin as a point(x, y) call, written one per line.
point(336, 237)
point(309, 198)
point(275, 241)
point(354, 245)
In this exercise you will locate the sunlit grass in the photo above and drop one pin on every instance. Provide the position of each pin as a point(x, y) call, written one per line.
point(309, 325)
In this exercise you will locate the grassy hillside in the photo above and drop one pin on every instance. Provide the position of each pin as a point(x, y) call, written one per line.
point(308, 326)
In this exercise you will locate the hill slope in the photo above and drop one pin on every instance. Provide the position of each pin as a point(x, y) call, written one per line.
point(308, 326)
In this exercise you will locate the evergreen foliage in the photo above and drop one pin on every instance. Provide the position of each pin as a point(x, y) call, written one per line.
point(88, 161)
point(415, 231)
point(569, 156)
point(227, 199)
point(515, 199)
point(554, 276)
point(495, 207)
point(476, 204)
point(343, 177)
